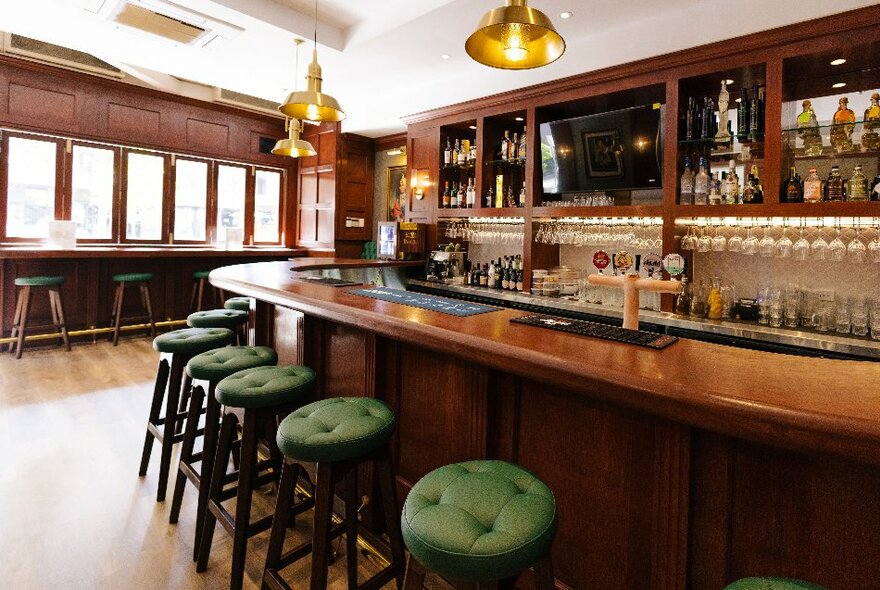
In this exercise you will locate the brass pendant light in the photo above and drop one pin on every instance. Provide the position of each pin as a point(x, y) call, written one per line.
point(293, 146)
point(312, 104)
point(515, 37)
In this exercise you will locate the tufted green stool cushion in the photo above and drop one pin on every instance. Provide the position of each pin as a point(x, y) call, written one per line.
point(219, 364)
point(335, 429)
point(201, 274)
point(239, 303)
point(38, 281)
point(217, 318)
point(263, 387)
point(479, 521)
point(193, 341)
point(772, 584)
point(133, 277)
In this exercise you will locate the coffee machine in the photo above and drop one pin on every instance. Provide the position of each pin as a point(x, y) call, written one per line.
point(445, 267)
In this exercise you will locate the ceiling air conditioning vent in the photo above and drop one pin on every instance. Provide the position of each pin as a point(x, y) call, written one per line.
point(65, 57)
point(150, 21)
point(246, 101)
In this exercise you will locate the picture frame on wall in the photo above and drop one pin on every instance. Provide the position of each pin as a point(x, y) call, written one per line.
point(395, 199)
point(601, 152)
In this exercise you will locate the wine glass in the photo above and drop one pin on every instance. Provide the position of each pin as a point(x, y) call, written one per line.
point(688, 241)
point(801, 248)
point(837, 249)
point(735, 243)
point(874, 248)
point(819, 248)
point(719, 242)
point(855, 250)
point(783, 246)
point(767, 244)
point(750, 244)
point(704, 243)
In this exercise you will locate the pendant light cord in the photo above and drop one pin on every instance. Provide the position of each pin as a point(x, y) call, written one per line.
point(316, 24)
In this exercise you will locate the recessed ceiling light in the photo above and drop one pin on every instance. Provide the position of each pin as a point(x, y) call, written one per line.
point(519, 119)
point(728, 82)
point(565, 14)
point(445, 56)
point(838, 62)
point(838, 85)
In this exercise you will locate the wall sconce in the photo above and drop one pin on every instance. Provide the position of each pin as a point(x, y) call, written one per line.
point(420, 183)
point(397, 151)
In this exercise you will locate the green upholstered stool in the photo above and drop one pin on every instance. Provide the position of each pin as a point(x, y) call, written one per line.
point(131, 279)
point(175, 350)
point(24, 285)
point(220, 318)
point(196, 300)
point(209, 367)
point(772, 584)
point(479, 521)
point(239, 303)
point(265, 394)
point(338, 434)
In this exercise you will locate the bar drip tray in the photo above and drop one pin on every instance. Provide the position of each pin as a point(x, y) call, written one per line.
point(329, 281)
point(596, 330)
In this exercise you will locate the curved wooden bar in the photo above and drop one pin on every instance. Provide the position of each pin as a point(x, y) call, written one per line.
point(682, 468)
point(31, 252)
point(318, 263)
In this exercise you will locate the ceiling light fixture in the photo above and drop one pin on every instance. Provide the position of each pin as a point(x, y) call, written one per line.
point(515, 37)
point(838, 62)
point(293, 146)
point(445, 56)
point(838, 85)
point(565, 14)
point(397, 151)
point(311, 103)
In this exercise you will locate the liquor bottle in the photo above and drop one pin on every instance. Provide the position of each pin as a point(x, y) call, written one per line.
point(875, 188)
point(472, 155)
point(522, 196)
point(759, 188)
point(714, 197)
point(453, 196)
point(505, 146)
point(812, 187)
point(505, 276)
point(513, 154)
point(686, 197)
point(462, 195)
point(511, 200)
point(463, 152)
point(446, 197)
point(756, 114)
point(690, 120)
point(834, 189)
point(748, 194)
point(455, 151)
point(792, 189)
point(484, 275)
point(742, 117)
point(521, 150)
point(471, 194)
point(447, 155)
point(498, 270)
point(730, 188)
point(499, 198)
point(706, 119)
point(490, 198)
point(519, 278)
point(490, 278)
point(857, 186)
point(701, 184)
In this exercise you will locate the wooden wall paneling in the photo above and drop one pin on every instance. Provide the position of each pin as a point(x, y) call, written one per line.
point(354, 190)
point(125, 121)
point(207, 136)
point(771, 172)
point(288, 329)
point(389, 142)
point(424, 158)
point(670, 178)
point(348, 361)
point(30, 102)
point(502, 438)
point(670, 513)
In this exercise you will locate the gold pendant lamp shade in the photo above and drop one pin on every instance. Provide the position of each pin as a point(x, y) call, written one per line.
point(515, 37)
point(293, 146)
point(312, 104)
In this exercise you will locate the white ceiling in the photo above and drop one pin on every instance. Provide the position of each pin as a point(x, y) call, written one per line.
point(381, 58)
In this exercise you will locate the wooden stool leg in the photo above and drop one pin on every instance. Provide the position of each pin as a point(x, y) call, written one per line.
point(390, 506)
point(155, 409)
point(117, 311)
point(221, 460)
point(321, 531)
point(145, 293)
point(415, 575)
point(23, 321)
point(16, 320)
point(186, 451)
point(59, 311)
point(351, 526)
point(209, 450)
point(169, 428)
point(185, 391)
point(244, 497)
point(201, 295)
point(544, 579)
point(283, 504)
point(192, 297)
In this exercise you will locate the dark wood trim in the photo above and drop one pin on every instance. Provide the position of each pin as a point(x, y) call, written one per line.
point(389, 142)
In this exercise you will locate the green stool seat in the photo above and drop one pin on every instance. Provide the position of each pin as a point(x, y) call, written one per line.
point(263, 387)
point(201, 274)
point(335, 429)
point(38, 281)
point(773, 584)
point(217, 318)
point(133, 277)
point(216, 365)
point(193, 341)
point(479, 521)
point(239, 303)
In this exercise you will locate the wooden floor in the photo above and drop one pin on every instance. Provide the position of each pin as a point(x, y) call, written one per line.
point(73, 511)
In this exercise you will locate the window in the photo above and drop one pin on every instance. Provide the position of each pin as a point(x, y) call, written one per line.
point(267, 206)
point(145, 178)
point(231, 188)
point(190, 200)
point(92, 192)
point(30, 193)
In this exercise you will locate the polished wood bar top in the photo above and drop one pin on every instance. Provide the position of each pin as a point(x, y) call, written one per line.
point(28, 252)
point(791, 401)
point(318, 263)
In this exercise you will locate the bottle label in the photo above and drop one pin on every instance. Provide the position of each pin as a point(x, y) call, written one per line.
point(812, 191)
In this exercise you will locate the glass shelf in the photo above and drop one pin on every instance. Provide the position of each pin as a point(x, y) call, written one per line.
point(513, 162)
point(468, 166)
point(863, 133)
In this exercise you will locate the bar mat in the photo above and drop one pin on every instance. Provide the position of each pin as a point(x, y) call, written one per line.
point(423, 301)
point(596, 330)
point(330, 281)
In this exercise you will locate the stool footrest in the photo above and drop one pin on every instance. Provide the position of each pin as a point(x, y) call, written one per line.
point(305, 548)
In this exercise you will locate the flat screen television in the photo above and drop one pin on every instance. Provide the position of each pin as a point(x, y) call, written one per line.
point(617, 150)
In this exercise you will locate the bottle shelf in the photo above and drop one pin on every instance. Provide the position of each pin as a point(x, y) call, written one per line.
point(482, 212)
point(468, 166)
point(518, 162)
point(821, 209)
point(603, 211)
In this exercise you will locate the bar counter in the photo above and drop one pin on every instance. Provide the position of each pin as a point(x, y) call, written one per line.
point(682, 468)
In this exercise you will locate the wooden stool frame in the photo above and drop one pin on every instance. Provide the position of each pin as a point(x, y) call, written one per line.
point(119, 298)
point(416, 572)
point(22, 308)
